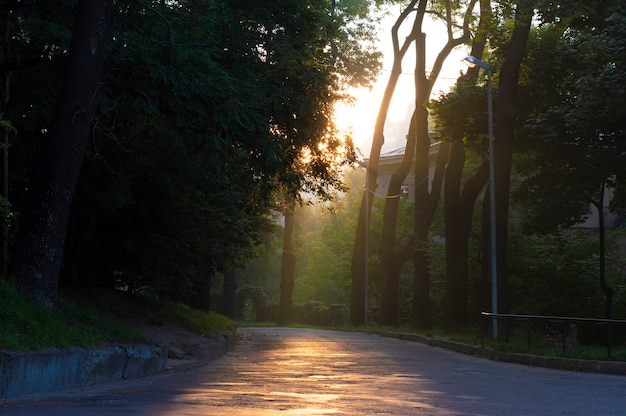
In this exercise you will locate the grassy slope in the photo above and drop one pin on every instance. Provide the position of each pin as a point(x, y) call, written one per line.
point(26, 326)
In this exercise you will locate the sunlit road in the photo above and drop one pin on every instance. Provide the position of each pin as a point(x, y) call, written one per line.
point(310, 372)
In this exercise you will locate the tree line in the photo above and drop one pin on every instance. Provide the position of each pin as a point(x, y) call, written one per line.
point(558, 130)
point(151, 143)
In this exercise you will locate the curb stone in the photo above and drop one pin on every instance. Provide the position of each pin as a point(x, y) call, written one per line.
point(557, 363)
point(55, 369)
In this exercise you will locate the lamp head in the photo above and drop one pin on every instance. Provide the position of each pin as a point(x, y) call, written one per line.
point(473, 62)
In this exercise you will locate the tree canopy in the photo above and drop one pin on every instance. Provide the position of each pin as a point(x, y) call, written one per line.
point(576, 132)
point(207, 110)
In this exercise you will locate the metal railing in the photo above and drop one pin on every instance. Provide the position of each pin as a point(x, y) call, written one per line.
point(564, 321)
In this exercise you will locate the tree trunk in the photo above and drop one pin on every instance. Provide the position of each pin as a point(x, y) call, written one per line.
point(391, 261)
point(5, 151)
point(608, 291)
point(458, 208)
point(459, 203)
point(424, 212)
point(229, 294)
point(288, 269)
point(504, 125)
point(357, 299)
point(39, 247)
point(424, 201)
point(357, 294)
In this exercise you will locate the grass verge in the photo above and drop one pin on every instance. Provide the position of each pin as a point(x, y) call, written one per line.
point(518, 343)
point(194, 320)
point(27, 326)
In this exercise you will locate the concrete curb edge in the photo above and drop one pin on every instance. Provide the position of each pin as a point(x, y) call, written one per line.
point(55, 369)
point(557, 363)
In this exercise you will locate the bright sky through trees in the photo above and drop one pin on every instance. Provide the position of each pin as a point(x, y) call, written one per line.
point(360, 117)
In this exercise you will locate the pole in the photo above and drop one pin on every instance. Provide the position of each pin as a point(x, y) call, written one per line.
point(492, 213)
point(365, 279)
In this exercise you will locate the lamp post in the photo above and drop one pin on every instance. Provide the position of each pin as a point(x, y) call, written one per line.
point(366, 272)
point(473, 61)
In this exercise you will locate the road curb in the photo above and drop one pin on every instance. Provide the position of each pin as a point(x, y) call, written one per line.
point(558, 363)
point(24, 373)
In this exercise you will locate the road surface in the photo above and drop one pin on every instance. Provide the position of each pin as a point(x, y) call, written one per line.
point(281, 371)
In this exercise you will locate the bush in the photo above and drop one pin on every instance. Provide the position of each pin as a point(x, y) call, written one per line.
point(311, 313)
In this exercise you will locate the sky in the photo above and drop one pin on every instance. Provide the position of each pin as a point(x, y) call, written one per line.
point(361, 117)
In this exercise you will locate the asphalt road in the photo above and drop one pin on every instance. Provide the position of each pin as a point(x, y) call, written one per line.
point(279, 371)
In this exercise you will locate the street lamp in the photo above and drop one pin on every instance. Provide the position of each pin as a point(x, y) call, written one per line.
point(473, 62)
point(366, 272)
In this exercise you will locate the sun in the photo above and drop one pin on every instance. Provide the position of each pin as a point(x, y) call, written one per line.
point(358, 119)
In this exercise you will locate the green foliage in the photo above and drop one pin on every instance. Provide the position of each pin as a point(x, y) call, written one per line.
point(461, 115)
point(25, 325)
point(324, 253)
point(311, 313)
point(195, 320)
point(207, 109)
point(253, 304)
point(557, 274)
point(575, 126)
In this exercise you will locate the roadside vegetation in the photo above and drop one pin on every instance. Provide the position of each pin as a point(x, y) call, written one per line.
point(554, 274)
point(544, 341)
point(175, 180)
point(26, 325)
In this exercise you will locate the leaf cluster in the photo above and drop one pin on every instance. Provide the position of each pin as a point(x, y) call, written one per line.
point(209, 110)
point(575, 127)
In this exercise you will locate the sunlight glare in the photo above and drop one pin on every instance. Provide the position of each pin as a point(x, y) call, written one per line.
point(359, 118)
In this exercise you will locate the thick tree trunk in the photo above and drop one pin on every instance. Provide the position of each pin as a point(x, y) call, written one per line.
point(287, 273)
point(424, 201)
point(357, 299)
point(229, 294)
point(357, 294)
point(455, 298)
point(458, 208)
point(391, 261)
point(504, 126)
point(421, 307)
point(39, 247)
point(425, 211)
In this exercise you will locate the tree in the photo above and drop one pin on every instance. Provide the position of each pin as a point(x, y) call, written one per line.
point(325, 246)
point(459, 122)
point(418, 144)
point(39, 248)
point(577, 137)
point(207, 109)
point(318, 167)
point(504, 132)
point(508, 51)
point(288, 268)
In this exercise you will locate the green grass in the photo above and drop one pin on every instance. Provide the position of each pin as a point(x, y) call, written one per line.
point(26, 326)
point(194, 320)
point(518, 343)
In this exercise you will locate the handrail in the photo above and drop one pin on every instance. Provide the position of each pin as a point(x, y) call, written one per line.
point(554, 318)
point(563, 319)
